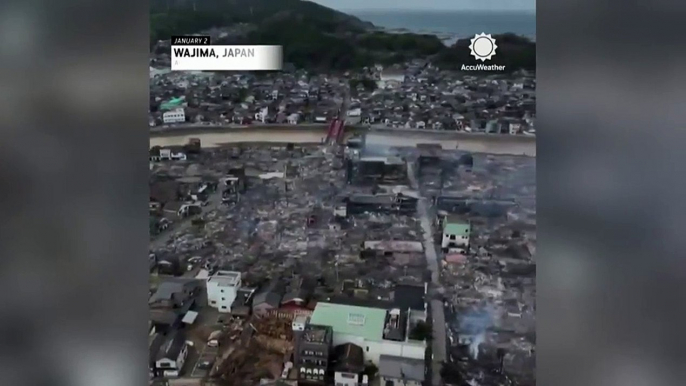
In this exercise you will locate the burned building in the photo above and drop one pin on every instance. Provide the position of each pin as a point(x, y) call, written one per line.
point(380, 203)
point(234, 185)
point(484, 207)
point(312, 354)
point(429, 155)
point(382, 169)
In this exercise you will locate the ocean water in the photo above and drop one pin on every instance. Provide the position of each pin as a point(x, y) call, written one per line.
point(454, 24)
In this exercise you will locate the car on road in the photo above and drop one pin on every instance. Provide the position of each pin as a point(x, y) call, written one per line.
point(205, 365)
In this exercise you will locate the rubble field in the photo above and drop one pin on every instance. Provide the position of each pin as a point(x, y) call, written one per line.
point(489, 291)
point(284, 223)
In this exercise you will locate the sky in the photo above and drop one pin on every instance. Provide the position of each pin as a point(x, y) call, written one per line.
point(443, 5)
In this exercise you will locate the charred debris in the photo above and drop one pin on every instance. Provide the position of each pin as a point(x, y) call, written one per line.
point(303, 224)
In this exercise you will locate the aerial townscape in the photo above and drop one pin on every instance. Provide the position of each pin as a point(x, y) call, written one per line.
point(366, 225)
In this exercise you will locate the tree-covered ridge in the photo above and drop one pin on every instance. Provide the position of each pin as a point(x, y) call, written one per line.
point(315, 36)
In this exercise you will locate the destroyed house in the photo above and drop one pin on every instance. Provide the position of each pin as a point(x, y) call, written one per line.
point(234, 182)
point(381, 168)
point(484, 207)
point(268, 298)
point(452, 204)
point(163, 192)
point(298, 293)
point(429, 154)
point(391, 203)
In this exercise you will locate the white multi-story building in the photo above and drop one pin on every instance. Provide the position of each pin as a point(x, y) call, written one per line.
point(174, 116)
point(222, 288)
point(455, 235)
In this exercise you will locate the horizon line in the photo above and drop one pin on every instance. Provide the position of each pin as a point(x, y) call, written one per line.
point(436, 10)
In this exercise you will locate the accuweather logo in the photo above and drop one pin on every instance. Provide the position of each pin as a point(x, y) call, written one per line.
point(483, 48)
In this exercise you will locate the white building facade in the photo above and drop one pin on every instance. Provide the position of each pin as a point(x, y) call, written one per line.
point(222, 288)
point(374, 349)
point(174, 116)
point(456, 235)
point(349, 379)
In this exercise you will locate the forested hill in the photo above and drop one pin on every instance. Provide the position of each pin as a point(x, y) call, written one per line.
point(194, 15)
point(313, 35)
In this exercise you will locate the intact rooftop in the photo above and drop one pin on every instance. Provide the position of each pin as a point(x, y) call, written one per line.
point(367, 323)
point(226, 278)
point(456, 228)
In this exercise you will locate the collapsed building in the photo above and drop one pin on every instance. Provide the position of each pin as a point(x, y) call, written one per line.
point(369, 169)
point(483, 207)
point(380, 203)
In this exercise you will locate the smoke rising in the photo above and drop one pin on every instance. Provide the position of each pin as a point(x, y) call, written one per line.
point(473, 327)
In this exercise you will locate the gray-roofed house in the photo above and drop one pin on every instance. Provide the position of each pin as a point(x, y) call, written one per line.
point(172, 355)
point(172, 300)
point(397, 371)
point(154, 344)
point(173, 294)
point(268, 298)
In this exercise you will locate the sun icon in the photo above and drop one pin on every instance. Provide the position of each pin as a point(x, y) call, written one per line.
point(483, 46)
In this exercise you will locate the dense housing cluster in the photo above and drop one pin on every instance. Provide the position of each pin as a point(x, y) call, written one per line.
point(416, 95)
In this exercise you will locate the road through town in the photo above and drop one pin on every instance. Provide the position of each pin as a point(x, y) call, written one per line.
point(438, 343)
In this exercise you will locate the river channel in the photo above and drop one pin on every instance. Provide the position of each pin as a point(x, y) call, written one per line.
point(476, 143)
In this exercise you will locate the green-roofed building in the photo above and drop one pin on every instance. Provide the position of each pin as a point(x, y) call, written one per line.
point(172, 104)
point(364, 327)
point(363, 322)
point(456, 234)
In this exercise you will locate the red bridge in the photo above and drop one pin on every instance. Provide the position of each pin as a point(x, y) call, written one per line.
point(336, 131)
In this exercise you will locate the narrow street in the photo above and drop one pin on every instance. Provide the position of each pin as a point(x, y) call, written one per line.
point(439, 335)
